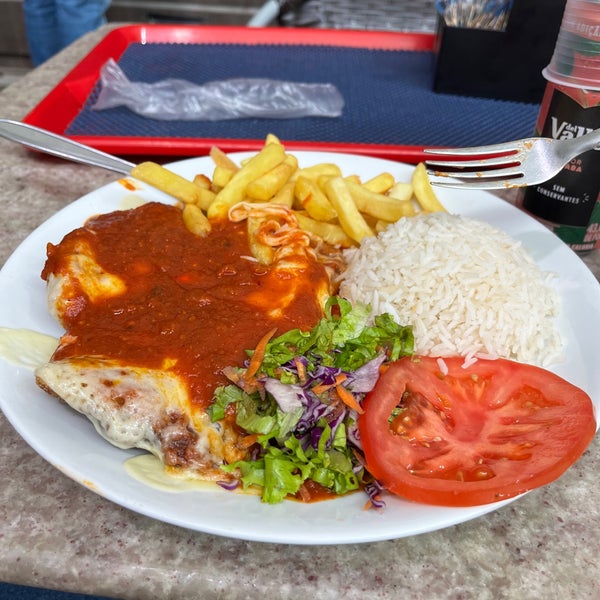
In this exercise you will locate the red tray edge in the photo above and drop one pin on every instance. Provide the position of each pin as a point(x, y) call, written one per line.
point(63, 103)
point(189, 147)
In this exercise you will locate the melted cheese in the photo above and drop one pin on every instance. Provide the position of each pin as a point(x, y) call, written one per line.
point(149, 470)
point(131, 201)
point(132, 406)
point(26, 348)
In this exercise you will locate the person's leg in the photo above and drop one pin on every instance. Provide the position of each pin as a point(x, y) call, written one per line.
point(77, 17)
point(41, 29)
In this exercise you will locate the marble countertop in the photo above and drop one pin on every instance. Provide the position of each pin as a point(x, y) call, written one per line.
point(57, 534)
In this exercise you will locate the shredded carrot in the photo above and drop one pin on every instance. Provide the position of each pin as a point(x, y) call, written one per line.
point(318, 389)
point(247, 441)
point(359, 457)
point(258, 355)
point(348, 399)
point(301, 370)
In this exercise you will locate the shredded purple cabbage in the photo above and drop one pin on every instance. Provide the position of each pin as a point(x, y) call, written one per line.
point(335, 423)
point(374, 490)
point(326, 375)
point(315, 436)
point(363, 380)
point(314, 410)
point(353, 435)
point(288, 397)
point(229, 485)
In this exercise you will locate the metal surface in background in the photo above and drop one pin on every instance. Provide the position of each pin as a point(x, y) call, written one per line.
point(211, 12)
point(395, 15)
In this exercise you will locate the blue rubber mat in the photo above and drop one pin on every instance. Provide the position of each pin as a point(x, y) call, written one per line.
point(388, 97)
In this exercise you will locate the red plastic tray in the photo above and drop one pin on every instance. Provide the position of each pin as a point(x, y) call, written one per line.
point(64, 102)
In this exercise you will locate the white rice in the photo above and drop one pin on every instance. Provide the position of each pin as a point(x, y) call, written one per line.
point(466, 288)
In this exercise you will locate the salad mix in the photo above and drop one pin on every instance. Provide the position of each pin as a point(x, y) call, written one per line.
point(298, 398)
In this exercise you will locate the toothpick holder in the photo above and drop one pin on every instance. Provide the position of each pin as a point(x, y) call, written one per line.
point(506, 65)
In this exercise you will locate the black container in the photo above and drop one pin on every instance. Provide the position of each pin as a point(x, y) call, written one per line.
point(506, 65)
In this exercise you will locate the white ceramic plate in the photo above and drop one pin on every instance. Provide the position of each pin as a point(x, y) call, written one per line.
point(69, 442)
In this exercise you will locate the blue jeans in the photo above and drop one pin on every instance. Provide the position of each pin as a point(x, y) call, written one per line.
point(51, 25)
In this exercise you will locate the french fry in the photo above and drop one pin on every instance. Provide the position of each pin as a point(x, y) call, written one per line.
point(313, 200)
point(222, 160)
point(285, 195)
point(381, 183)
point(272, 139)
point(263, 253)
point(202, 181)
point(315, 171)
point(353, 179)
point(423, 189)
point(381, 226)
point(328, 232)
point(267, 185)
point(221, 176)
point(195, 220)
point(206, 196)
point(167, 181)
point(379, 205)
point(401, 191)
point(205, 199)
point(323, 179)
point(269, 156)
point(349, 217)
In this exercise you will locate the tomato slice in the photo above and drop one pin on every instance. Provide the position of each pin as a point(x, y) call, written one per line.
point(473, 435)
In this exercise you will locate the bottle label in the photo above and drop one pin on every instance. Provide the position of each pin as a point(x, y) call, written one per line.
point(569, 198)
point(582, 239)
point(581, 30)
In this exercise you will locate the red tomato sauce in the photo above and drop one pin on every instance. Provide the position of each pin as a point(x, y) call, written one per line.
point(197, 301)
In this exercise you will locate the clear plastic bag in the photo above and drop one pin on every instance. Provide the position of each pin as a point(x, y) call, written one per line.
point(177, 99)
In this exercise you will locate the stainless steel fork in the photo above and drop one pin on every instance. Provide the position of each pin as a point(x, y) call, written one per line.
point(513, 164)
